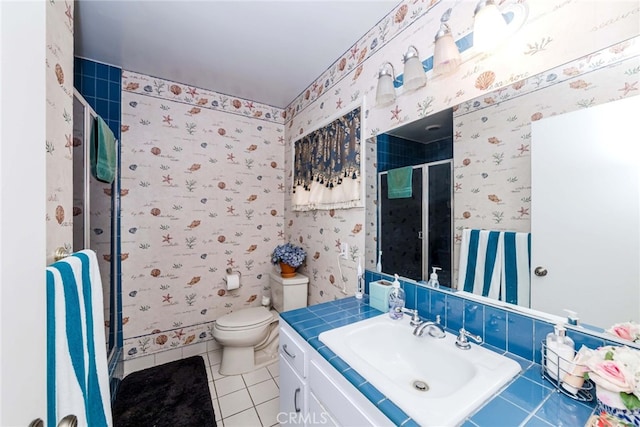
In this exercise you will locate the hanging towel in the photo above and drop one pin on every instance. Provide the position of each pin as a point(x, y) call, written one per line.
point(480, 262)
point(77, 372)
point(102, 151)
point(515, 282)
point(399, 183)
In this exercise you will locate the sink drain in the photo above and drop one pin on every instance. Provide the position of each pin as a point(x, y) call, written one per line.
point(420, 385)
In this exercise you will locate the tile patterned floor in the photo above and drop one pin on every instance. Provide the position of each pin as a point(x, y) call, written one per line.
point(247, 400)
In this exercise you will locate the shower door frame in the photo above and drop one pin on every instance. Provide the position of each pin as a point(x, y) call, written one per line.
point(114, 345)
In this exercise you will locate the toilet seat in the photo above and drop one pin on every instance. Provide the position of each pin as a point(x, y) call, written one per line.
point(246, 318)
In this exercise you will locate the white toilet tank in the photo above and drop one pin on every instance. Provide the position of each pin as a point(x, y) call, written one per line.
point(288, 294)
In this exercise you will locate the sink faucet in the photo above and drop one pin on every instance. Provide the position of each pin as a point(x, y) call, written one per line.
point(419, 330)
point(462, 342)
point(415, 318)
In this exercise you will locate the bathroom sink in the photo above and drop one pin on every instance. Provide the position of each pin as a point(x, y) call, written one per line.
point(430, 379)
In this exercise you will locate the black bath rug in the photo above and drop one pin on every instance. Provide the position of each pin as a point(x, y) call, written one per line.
point(175, 394)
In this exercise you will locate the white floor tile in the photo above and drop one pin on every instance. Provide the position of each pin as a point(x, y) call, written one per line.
point(277, 380)
point(216, 409)
point(168, 356)
point(199, 348)
point(257, 376)
point(209, 372)
point(248, 418)
point(215, 357)
point(274, 370)
point(234, 403)
point(264, 391)
point(268, 412)
point(228, 385)
point(212, 390)
point(138, 364)
point(215, 372)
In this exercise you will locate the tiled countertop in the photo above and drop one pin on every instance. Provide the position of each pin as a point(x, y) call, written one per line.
point(528, 400)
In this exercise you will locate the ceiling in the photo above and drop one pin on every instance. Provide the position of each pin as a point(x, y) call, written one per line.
point(432, 128)
point(264, 51)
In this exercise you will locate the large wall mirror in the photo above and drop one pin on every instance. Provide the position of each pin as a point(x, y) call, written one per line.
point(492, 174)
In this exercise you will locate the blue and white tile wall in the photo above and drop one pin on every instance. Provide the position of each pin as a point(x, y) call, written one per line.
point(100, 84)
point(394, 152)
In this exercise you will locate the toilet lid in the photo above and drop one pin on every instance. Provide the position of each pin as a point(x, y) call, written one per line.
point(247, 317)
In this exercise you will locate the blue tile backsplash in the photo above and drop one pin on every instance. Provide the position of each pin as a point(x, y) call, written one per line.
point(516, 333)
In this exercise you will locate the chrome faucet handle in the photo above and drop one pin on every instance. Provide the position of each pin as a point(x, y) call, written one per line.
point(463, 343)
point(415, 317)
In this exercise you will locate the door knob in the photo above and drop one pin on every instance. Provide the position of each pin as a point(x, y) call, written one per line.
point(36, 423)
point(69, 421)
point(540, 271)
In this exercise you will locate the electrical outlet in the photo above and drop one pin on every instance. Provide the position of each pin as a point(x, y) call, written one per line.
point(344, 250)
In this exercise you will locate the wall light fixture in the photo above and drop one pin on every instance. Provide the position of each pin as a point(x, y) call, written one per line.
point(414, 75)
point(489, 26)
point(385, 92)
point(446, 56)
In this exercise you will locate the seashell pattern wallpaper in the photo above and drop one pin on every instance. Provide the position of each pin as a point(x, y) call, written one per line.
point(59, 129)
point(203, 191)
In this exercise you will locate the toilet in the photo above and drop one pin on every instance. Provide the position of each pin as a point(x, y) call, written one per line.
point(249, 336)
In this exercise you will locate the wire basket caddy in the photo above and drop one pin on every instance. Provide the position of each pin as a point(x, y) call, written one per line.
point(566, 376)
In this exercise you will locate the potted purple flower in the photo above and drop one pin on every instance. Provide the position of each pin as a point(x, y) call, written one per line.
point(289, 257)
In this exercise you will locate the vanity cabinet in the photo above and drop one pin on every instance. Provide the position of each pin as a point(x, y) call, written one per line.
point(313, 392)
point(293, 383)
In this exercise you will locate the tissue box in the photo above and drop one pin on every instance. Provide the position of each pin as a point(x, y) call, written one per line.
point(379, 294)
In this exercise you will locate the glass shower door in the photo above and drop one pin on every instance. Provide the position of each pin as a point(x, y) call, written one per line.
point(401, 236)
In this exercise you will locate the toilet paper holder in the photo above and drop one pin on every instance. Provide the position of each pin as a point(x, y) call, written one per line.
point(230, 271)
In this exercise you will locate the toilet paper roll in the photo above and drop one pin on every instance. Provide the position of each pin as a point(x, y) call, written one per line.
point(233, 281)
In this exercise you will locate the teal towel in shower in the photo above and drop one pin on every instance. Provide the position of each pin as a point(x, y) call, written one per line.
point(103, 151)
point(399, 183)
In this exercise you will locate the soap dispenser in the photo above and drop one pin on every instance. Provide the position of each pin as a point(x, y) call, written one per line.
point(560, 352)
point(396, 300)
point(433, 278)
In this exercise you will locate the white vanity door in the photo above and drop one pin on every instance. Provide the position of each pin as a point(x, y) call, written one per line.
point(318, 414)
point(585, 213)
point(293, 391)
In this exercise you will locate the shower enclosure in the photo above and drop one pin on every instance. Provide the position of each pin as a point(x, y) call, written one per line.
point(415, 233)
point(95, 226)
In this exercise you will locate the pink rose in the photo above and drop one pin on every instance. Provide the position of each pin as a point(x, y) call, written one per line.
point(623, 330)
point(612, 376)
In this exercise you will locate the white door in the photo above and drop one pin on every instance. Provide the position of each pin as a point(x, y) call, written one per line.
point(22, 213)
point(585, 213)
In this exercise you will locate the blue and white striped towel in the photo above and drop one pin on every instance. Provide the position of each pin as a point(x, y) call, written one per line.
point(515, 281)
point(77, 376)
point(480, 262)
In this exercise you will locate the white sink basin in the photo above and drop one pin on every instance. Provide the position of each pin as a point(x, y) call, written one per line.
point(387, 354)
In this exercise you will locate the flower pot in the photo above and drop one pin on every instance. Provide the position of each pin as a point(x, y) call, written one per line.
point(287, 271)
point(611, 403)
